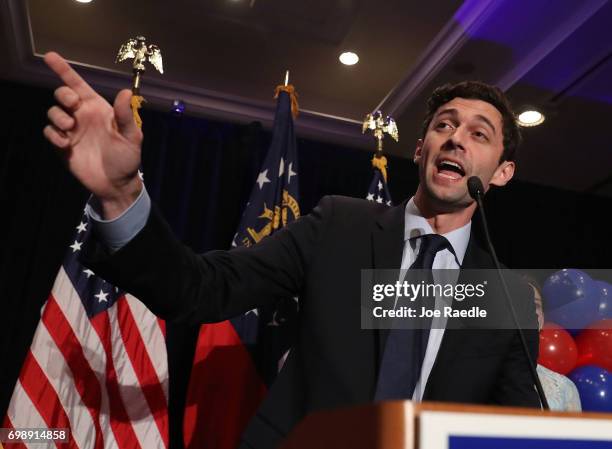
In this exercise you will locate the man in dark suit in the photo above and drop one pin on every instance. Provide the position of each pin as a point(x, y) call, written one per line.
point(469, 130)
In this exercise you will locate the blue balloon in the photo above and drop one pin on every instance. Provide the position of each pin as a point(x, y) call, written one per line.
point(571, 299)
point(594, 386)
point(604, 308)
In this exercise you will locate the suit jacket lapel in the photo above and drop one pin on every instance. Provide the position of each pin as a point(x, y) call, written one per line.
point(475, 258)
point(388, 238)
point(388, 246)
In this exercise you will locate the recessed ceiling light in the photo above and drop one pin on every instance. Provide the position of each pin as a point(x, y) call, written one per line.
point(349, 58)
point(83, 1)
point(530, 117)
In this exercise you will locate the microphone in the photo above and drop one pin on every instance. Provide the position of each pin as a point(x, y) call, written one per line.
point(476, 190)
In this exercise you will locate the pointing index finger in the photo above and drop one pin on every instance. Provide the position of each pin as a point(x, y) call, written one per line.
point(71, 78)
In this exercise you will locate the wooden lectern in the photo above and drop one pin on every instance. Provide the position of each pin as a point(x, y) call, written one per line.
point(404, 425)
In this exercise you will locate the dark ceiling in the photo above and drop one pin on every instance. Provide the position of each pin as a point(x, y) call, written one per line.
point(223, 58)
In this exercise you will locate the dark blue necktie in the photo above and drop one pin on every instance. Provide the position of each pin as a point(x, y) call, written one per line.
point(404, 352)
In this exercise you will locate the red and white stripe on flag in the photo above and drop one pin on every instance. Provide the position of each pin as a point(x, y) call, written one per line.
point(104, 376)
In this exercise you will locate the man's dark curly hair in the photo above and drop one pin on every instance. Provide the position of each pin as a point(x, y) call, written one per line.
point(478, 90)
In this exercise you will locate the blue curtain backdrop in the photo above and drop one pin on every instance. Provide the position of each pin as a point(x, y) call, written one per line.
point(200, 172)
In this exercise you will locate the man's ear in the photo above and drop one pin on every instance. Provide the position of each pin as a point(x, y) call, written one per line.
point(418, 151)
point(503, 174)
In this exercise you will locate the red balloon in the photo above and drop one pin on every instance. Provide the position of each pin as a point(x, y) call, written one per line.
point(557, 349)
point(595, 345)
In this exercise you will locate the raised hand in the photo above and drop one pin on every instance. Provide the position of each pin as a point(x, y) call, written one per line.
point(101, 143)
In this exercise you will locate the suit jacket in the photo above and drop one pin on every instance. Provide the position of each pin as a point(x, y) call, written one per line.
point(319, 257)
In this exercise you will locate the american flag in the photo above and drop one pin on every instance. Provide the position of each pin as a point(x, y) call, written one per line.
point(235, 360)
point(97, 364)
point(379, 191)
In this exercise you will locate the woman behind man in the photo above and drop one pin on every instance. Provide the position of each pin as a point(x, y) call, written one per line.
point(561, 393)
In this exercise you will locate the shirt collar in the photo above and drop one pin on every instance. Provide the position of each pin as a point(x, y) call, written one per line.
point(415, 225)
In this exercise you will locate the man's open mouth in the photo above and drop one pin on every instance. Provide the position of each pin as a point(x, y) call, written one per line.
point(450, 169)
